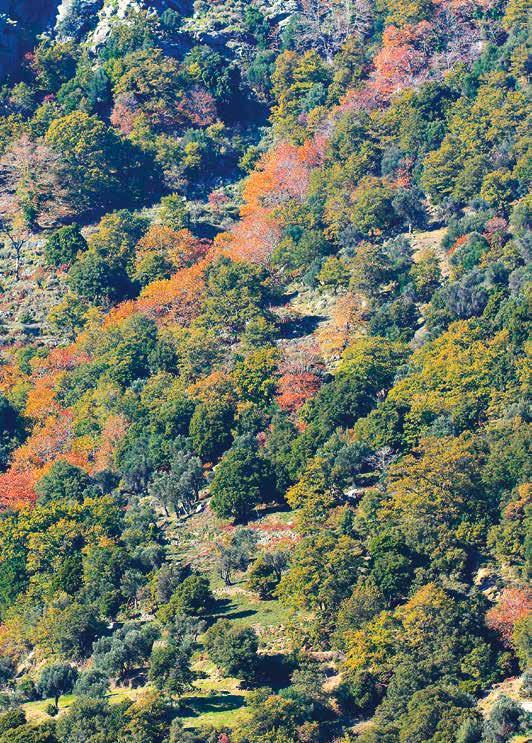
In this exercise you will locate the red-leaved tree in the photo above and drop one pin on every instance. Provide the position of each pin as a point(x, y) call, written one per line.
point(16, 490)
point(514, 604)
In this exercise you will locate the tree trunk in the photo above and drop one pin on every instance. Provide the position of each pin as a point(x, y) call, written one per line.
point(18, 259)
point(226, 577)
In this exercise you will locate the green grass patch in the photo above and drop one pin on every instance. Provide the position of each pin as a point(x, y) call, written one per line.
point(219, 710)
point(36, 711)
point(215, 700)
point(249, 611)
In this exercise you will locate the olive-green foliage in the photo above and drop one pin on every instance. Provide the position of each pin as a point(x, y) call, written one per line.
point(11, 719)
point(407, 470)
point(127, 648)
point(92, 717)
point(93, 684)
point(367, 367)
point(29, 733)
point(192, 597)
point(63, 245)
point(63, 481)
point(233, 650)
point(262, 578)
point(210, 428)
point(56, 680)
point(242, 480)
point(102, 168)
point(236, 294)
point(170, 667)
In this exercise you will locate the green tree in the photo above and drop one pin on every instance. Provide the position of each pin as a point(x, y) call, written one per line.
point(148, 719)
point(334, 274)
point(170, 667)
point(192, 598)
point(95, 279)
point(499, 189)
point(236, 294)
point(127, 648)
point(93, 684)
point(507, 718)
point(57, 680)
point(70, 630)
point(470, 731)
point(233, 649)
point(272, 717)
point(102, 169)
point(438, 494)
point(402, 12)
point(29, 733)
point(179, 487)
point(255, 376)
point(237, 554)
point(88, 719)
point(54, 63)
point(242, 480)
point(63, 245)
point(432, 713)
point(12, 719)
point(262, 578)
point(63, 480)
point(68, 316)
point(210, 427)
point(173, 212)
point(116, 237)
point(367, 367)
point(372, 209)
point(391, 565)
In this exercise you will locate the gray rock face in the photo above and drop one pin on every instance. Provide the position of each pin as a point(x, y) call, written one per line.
point(92, 20)
point(22, 21)
point(76, 18)
point(108, 14)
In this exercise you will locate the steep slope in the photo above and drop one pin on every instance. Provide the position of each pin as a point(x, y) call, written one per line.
point(272, 468)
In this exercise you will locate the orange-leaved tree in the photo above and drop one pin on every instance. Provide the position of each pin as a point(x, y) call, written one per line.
point(17, 489)
point(282, 175)
point(514, 604)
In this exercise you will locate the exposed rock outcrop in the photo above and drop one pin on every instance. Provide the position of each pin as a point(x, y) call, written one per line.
point(22, 21)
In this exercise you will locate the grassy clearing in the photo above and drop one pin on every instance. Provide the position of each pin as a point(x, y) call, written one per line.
point(222, 710)
point(250, 611)
point(269, 619)
point(36, 711)
point(215, 700)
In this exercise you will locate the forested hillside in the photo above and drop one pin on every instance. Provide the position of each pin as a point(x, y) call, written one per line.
point(264, 383)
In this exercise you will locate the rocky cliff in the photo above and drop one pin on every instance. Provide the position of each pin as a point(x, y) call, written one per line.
point(22, 21)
